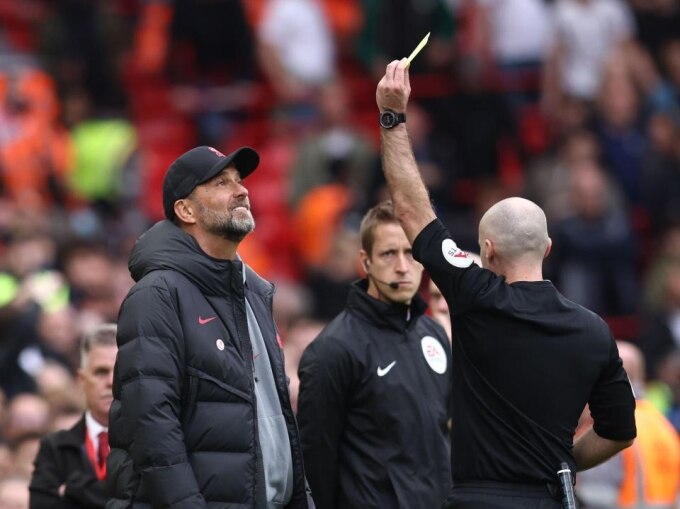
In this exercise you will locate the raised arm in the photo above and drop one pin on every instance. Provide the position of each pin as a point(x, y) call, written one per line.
point(409, 195)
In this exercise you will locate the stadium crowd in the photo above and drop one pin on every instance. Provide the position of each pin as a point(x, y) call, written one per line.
point(574, 104)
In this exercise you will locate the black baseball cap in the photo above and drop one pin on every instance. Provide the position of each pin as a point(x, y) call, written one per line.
point(199, 165)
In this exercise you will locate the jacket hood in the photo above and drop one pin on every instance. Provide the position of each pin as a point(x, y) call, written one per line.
point(165, 246)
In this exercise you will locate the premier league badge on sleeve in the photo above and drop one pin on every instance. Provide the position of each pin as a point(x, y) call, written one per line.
point(456, 257)
point(434, 354)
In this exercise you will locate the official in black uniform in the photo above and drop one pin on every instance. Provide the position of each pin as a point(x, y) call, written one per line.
point(525, 359)
point(375, 385)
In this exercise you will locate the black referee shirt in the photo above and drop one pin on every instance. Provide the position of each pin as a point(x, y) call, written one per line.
point(525, 362)
point(374, 405)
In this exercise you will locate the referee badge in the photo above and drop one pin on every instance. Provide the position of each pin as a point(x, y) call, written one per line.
point(434, 354)
point(453, 255)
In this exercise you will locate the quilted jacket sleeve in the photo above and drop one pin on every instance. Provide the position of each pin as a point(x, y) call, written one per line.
point(149, 458)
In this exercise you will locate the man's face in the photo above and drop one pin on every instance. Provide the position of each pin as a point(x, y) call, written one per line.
point(391, 260)
point(96, 379)
point(223, 206)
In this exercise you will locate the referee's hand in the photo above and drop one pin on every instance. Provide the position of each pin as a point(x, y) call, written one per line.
point(394, 88)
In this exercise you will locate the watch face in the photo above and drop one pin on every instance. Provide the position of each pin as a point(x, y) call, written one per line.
point(387, 119)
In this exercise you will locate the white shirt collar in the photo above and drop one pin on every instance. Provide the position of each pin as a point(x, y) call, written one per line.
point(93, 430)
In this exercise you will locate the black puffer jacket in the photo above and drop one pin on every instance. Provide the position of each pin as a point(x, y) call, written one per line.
point(183, 423)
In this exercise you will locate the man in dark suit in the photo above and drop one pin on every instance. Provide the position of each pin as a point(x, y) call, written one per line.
point(70, 467)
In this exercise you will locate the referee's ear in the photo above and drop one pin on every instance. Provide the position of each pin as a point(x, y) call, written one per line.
point(489, 251)
point(548, 248)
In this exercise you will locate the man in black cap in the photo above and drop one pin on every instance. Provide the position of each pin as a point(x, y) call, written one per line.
point(201, 415)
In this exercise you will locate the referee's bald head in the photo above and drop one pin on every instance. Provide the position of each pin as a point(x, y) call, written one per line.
point(518, 228)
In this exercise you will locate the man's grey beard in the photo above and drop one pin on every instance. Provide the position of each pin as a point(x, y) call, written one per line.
point(232, 229)
point(235, 229)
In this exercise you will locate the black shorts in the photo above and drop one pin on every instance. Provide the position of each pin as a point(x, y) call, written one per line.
point(496, 495)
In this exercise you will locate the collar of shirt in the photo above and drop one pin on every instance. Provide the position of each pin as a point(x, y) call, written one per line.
point(93, 429)
point(243, 268)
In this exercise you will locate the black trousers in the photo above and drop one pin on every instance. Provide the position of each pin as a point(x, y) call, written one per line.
point(495, 495)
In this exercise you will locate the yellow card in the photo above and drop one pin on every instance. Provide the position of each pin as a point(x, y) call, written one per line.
point(420, 46)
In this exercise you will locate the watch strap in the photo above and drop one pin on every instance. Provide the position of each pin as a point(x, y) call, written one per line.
point(399, 118)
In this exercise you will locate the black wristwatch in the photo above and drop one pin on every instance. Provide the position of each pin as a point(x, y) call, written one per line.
point(389, 119)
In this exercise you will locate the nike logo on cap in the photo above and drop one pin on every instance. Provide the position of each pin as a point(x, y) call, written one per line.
point(203, 321)
point(386, 369)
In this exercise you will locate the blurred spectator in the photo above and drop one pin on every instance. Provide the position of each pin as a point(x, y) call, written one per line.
point(516, 33)
point(587, 34)
point(594, 253)
point(58, 332)
point(29, 252)
point(194, 40)
point(515, 36)
point(33, 149)
point(296, 49)
point(299, 336)
point(652, 464)
point(81, 43)
point(318, 220)
point(439, 181)
point(469, 128)
point(392, 28)
point(65, 419)
point(346, 21)
point(196, 57)
point(92, 274)
point(329, 282)
point(667, 387)
point(660, 334)
point(29, 291)
point(292, 303)
point(103, 169)
point(335, 151)
point(439, 309)
point(548, 178)
point(657, 22)
point(14, 492)
point(671, 64)
point(55, 383)
point(666, 254)
point(621, 136)
point(661, 172)
point(27, 415)
point(63, 476)
point(574, 115)
point(6, 461)
point(24, 454)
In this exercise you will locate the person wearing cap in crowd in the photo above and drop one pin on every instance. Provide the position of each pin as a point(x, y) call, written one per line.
point(201, 415)
point(375, 387)
point(70, 467)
